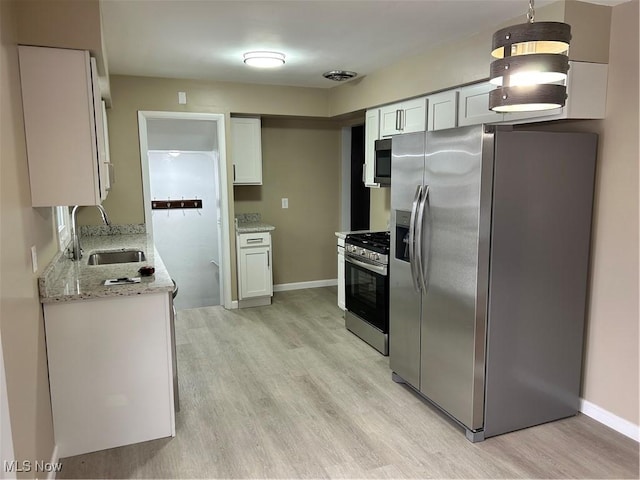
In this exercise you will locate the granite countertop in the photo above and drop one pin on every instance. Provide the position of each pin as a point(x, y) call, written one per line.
point(254, 227)
point(65, 280)
point(251, 223)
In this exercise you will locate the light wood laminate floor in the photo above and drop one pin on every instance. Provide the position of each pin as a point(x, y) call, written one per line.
point(285, 391)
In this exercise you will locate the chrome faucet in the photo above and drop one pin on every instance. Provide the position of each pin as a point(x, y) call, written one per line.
point(76, 250)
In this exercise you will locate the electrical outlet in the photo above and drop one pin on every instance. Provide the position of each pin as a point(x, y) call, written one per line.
point(34, 259)
point(285, 203)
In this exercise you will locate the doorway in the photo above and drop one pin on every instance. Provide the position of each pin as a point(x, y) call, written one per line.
point(183, 163)
point(360, 196)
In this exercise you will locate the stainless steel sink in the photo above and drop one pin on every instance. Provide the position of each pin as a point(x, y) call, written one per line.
point(116, 256)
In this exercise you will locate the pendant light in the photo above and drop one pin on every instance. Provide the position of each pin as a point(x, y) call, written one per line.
point(531, 66)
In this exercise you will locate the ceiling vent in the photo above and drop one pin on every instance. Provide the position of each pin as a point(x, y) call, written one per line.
point(339, 75)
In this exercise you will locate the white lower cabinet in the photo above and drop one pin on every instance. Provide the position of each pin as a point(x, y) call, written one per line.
point(110, 371)
point(255, 278)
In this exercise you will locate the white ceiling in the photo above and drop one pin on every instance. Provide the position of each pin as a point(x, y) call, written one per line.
point(205, 39)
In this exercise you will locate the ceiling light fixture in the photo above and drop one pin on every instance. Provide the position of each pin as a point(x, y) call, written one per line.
point(264, 59)
point(531, 66)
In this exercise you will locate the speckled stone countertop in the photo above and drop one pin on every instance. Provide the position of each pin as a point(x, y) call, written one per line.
point(251, 223)
point(65, 280)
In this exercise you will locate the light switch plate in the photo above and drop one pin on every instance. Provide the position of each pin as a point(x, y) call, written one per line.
point(285, 203)
point(182, 98)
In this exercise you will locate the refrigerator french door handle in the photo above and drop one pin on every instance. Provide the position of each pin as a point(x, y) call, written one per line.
point(420, 248)
point(412, 238)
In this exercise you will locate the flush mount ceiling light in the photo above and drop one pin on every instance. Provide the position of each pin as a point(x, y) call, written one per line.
point(264, 59)
point(339, 75)
point(531, 66)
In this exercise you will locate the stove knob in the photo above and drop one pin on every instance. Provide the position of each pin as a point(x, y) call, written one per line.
point(363, 252)
point(375, 256)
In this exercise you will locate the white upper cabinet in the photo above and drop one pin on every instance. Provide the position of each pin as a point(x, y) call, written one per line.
point(371, 134)
point(64, 127)
point(405, 117)
point(246, 151)
point(442, 110)
point(586, 96)
point(473, 105)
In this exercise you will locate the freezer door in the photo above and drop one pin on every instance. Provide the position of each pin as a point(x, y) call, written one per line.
point(407, 166)
point(455, 261)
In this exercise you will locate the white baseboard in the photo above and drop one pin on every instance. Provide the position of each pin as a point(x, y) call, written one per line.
point(609, 419)
point(282, 287)
point(55, 458)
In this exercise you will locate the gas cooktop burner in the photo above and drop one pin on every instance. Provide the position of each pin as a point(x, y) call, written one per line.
point(371, 245)
point(375, 241)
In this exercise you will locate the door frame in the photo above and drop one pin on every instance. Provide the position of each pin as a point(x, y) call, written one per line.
point(219, 119)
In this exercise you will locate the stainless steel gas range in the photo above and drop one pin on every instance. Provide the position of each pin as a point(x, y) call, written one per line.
point(367, 287)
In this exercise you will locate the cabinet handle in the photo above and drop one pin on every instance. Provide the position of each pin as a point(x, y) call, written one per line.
point(364, 173)
point(234, 172)
point(255, 240)
point(398, 120)
point(268, 261)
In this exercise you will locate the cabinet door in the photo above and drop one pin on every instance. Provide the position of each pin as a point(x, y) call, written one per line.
point(246, 151)
point(473, 105)
point(60, 126)
point(108, 167)
point(255, 272)
point(443, 110)
point(390, 120)
point(98, 108)
point(371, 134)
point(586, 96)
point(414, 115)
point(110, 371)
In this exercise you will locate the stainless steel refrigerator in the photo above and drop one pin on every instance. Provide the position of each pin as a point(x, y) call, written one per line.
point(490, 237)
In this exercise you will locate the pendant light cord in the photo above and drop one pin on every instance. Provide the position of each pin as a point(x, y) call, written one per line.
point(531, 13)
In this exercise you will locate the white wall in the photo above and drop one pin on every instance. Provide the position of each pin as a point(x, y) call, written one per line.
point(188, 240)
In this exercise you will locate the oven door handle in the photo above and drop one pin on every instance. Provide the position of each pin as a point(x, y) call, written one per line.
point(380, 269)
point(412, 238)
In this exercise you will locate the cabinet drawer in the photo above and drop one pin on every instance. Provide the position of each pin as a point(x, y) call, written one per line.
point(260, 239)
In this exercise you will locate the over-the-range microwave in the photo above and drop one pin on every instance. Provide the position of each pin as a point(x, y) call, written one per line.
point(382, 162)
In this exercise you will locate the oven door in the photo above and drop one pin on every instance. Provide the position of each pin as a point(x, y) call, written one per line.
point(367, 292)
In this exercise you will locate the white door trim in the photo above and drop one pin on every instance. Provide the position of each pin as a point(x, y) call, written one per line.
point(6, 439)
point(219, 118)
